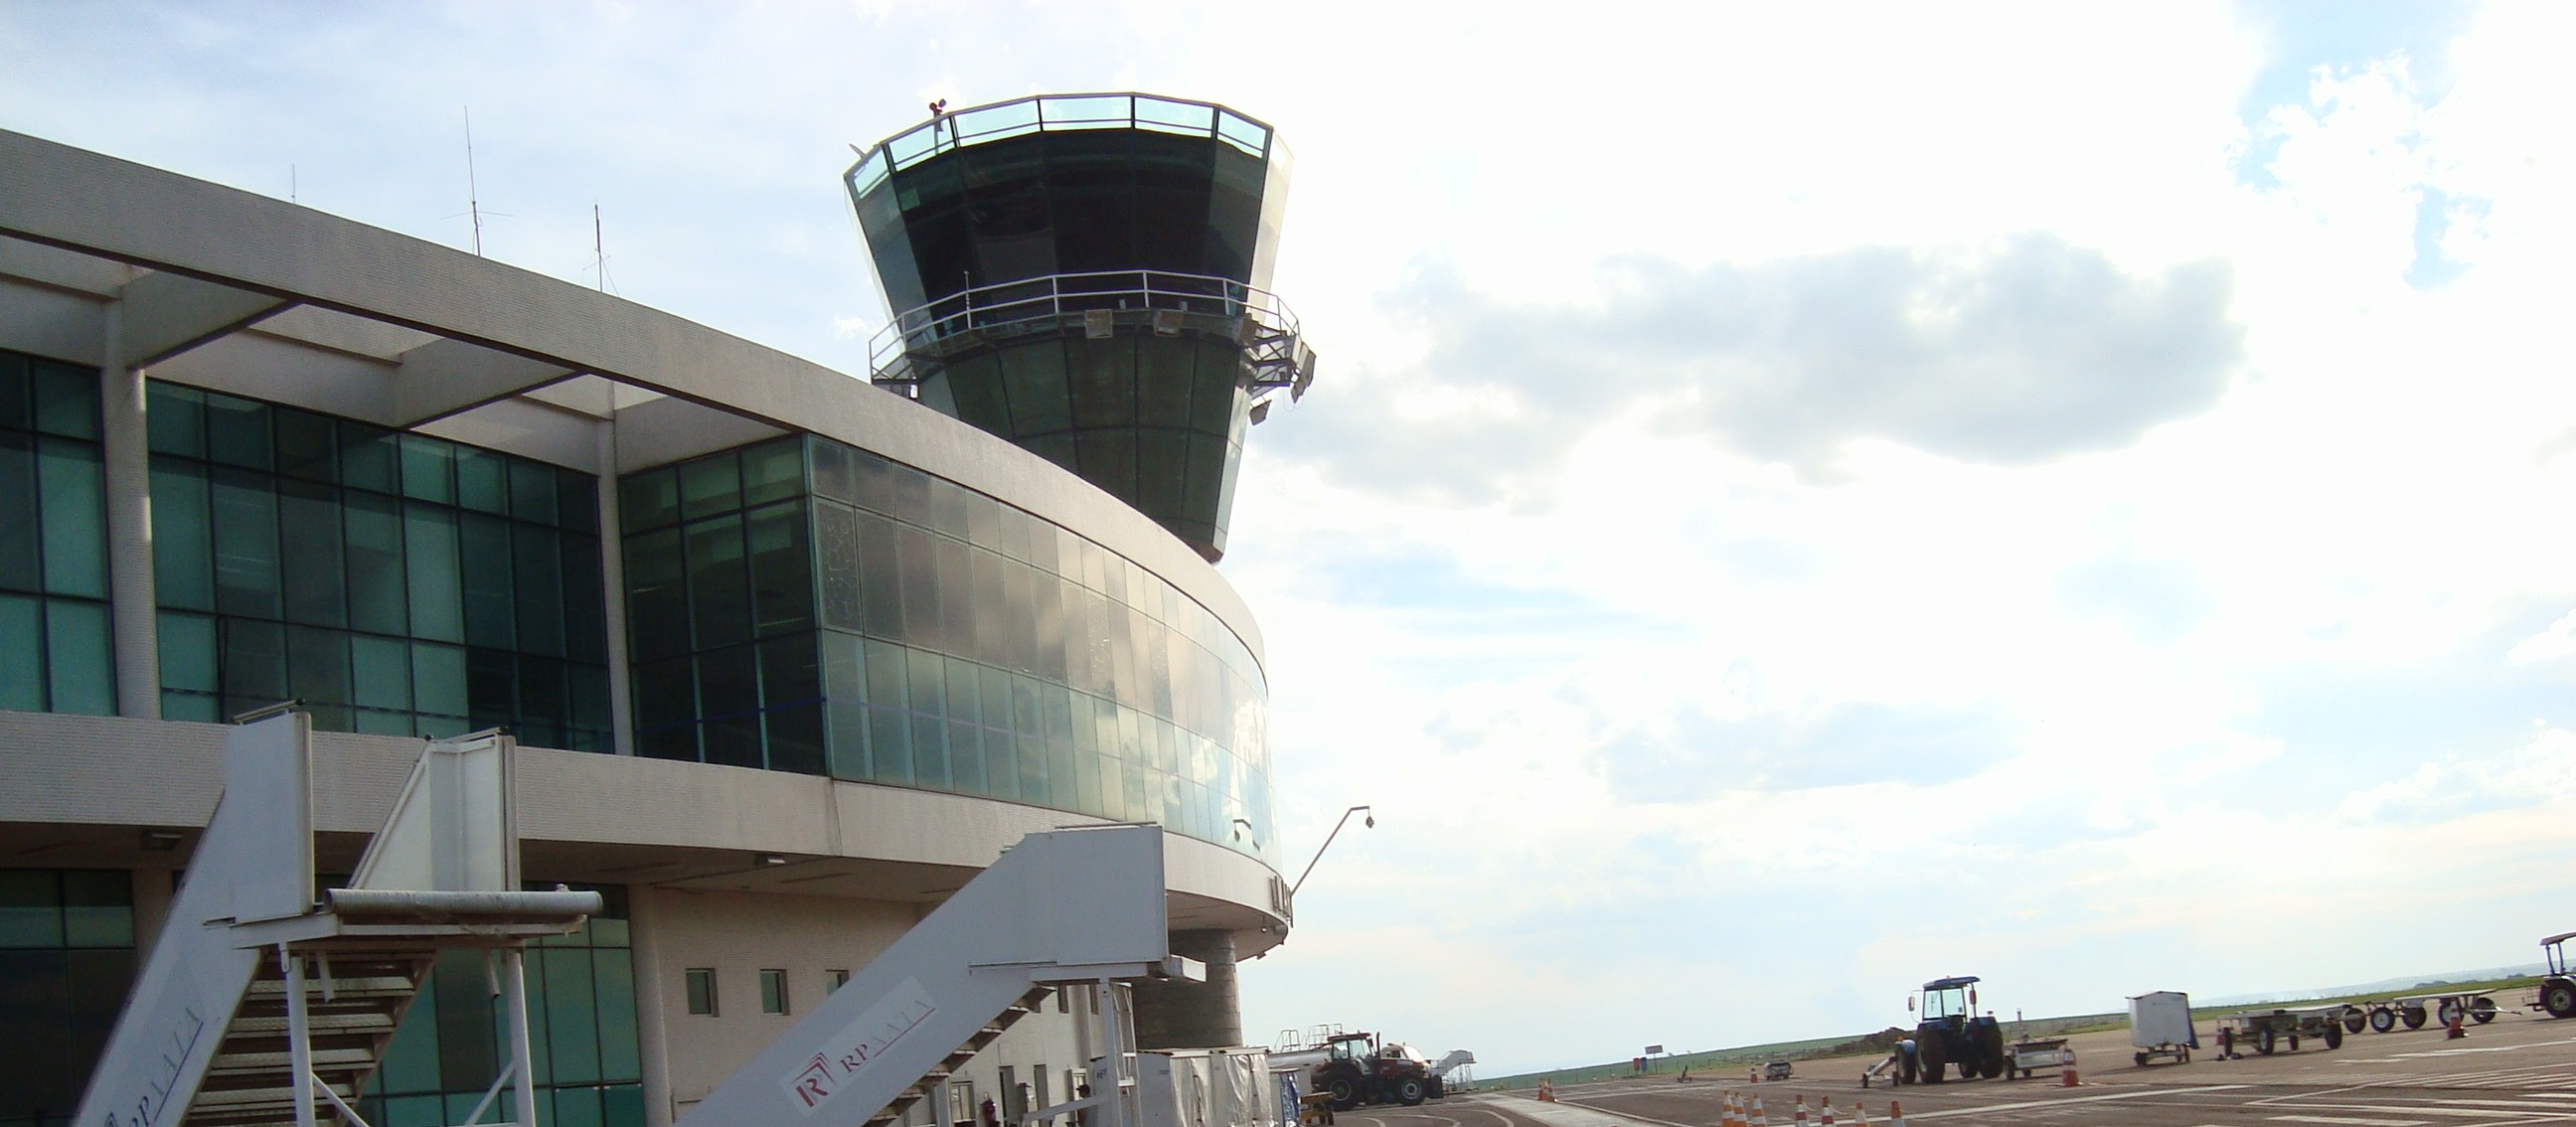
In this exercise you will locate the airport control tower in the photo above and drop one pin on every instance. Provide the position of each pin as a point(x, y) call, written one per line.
point(1088, 276)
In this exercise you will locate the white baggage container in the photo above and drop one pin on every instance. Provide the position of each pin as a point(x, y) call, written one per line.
point(2160, 1026)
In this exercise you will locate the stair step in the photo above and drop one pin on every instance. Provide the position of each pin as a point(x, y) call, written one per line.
point(359, 1021)
point(240, 1063)
point(369, 986)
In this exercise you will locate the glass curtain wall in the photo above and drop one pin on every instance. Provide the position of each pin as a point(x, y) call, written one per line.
point(55, 648)
point(581, 1034)
point(803, 605)
point(66, 961)
point(395, 583)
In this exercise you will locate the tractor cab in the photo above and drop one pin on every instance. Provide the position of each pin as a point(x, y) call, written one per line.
point(1950, 1001)
point(1354, 1047)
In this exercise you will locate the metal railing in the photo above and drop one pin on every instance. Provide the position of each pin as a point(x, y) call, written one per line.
point(1098, 303)
point(1050, 113)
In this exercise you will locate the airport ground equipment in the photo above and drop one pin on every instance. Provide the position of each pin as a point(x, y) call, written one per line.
point(266, 1005)
point(2558, 987)
point(2265, 1030)
point(1356, 1070)
point(1949, 1031)
point(2415, 1009)
point(1776, 1070)
point(2022, 1056)
point(2160, 1026)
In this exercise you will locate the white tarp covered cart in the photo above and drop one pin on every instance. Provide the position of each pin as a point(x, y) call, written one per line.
point(2160, 1026)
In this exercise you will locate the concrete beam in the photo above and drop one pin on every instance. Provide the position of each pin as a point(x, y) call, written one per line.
point(167, 314)
point(448, 376)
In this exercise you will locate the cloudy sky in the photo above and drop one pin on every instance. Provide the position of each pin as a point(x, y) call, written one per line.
point(1801, 499)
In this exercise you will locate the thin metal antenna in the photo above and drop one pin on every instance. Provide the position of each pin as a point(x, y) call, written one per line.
point(473, 200)
point(598, 247)
point(290, 184)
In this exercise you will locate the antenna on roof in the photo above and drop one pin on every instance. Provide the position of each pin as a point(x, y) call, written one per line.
point(598, 248)
point(290, 183)
point(473, 201)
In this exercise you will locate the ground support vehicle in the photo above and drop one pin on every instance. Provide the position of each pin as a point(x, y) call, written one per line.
point(2385, 1015)
point(2264, 1030)
point(2558, 987)
point(1950, 1031)
point(2473, 1006)
point(2160, 1026)
point(1357, 1071)
point(2034, 1053)
point(1776, 1070)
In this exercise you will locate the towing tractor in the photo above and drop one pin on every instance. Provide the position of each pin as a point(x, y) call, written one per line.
point(1949, 1031)
point(2558, 987)
point(1357, 1071)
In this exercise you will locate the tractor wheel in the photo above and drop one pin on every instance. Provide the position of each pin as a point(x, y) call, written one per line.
point(2334, 1035)
point(1991, 1041)
point(1905, 1068)
point(2414, 1017)
point(2263, 1039)
point(2354, 1020)
point(2382, 1019)
point(1933, 1063)
point(1409, 1091)
point(2450, 1011)
point(2558, 996)
point(1345, 1090)
point(2482, 1010)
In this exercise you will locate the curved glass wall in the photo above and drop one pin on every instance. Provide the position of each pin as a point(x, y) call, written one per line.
point(803, 605)
point(395, 583)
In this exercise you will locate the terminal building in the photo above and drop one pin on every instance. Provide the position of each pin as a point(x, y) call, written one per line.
point(790, 653)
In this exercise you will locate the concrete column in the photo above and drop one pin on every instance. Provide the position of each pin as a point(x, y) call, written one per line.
point(652, 1016)
point(612, 563)
point(1193, 1015)
point(132, 603)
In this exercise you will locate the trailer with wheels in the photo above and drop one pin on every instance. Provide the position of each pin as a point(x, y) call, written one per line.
point(2160, 1026)
point(2441, 1009)
point(2033, 1053)
point(2264, 1031)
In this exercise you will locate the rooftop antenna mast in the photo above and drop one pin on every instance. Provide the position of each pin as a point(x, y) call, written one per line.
point(473, 200)
point(598, 248)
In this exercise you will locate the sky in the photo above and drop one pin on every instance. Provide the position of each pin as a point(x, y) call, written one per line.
point(1798, 500)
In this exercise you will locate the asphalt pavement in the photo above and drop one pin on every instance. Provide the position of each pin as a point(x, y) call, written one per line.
point(2517, 1070)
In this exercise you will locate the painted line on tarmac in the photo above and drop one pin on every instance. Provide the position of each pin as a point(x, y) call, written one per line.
point(1565, 1113)
point(2352, 1121)
point(2140, 1094)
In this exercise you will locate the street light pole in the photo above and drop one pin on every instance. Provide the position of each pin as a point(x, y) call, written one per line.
point(1369, 822)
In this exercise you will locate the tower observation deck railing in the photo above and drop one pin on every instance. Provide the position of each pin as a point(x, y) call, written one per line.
point(1051, 113)
point(1274, 348)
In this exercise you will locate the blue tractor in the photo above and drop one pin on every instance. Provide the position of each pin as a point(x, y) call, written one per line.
point(1949, 1031)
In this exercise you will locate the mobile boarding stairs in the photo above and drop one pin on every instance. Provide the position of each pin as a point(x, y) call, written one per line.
point(265, 1004)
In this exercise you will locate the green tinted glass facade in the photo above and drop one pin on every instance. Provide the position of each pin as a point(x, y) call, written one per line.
point(55, 648)
point(581, 1033)
point(66, 961)
point(395, 583)
point(802, 605)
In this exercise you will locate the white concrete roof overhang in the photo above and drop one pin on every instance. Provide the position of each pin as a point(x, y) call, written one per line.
point(106, 261)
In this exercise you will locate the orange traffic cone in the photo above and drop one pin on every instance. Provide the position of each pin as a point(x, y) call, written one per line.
point(1546, 1092)
point(2066, 1075)
point(1734, 1110)
point(1800, 1116)
point(2458, 1030)
point(1860, 1115)
point(1759, 1119)
point(1895, 1113)
point(1828, 1120)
